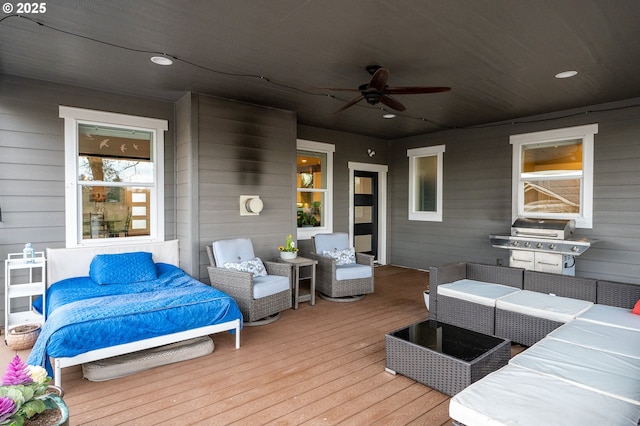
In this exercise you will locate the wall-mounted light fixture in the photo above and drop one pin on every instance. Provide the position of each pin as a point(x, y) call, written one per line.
point(371, 152)
point(250, 205)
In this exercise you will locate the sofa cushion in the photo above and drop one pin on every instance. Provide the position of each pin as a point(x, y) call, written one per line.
point(353, 271)
point(478, 292)
point(268, 285)
point(602, 337)
point(541, 305)
point(603, 372)
point(612, 315)
point(528, 398)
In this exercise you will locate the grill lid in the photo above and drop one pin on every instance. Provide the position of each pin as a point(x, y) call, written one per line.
point(546, 228)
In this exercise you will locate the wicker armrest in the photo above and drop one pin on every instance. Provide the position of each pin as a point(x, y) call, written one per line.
point(364, 259)
point(442, 275)
point(235, 283)
point(326, 268)
point(446, 274)
point(325, 261)
point(278, 268)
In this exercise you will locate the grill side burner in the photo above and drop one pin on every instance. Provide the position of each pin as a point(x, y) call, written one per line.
point(545, 245)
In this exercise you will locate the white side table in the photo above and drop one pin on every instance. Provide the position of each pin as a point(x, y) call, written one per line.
point(298, 263)
point(23, 280)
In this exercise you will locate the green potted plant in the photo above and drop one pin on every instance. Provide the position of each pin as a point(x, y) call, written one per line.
point(306, 219)
point(26, 394)
point(289, 249)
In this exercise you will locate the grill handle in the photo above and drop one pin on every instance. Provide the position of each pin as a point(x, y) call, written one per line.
point(537, 234)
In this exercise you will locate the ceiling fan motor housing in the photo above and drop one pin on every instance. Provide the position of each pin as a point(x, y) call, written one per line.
point(371, 95)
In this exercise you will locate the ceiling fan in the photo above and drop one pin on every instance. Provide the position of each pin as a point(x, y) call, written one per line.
point(377, 90)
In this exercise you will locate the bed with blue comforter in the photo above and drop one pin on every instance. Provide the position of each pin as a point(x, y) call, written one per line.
point(126, 298)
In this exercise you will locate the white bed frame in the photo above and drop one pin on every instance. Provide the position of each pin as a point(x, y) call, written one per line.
point(74, 262)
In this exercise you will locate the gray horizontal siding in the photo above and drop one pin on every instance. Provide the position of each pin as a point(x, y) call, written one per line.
point(244, 149)
point(32, 158)
point(477, 196)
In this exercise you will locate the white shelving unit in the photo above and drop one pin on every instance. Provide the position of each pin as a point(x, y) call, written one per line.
point(23, 280)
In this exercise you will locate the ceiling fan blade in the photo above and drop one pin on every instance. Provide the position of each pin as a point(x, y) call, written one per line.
point(392, 103)
point(379, 79)
point(350, 104)
point(415, 90)
point(335, 89)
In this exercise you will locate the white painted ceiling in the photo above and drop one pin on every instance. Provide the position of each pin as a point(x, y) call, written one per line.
point(498, 56)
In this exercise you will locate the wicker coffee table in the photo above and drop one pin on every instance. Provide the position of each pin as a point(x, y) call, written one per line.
point(443, 356)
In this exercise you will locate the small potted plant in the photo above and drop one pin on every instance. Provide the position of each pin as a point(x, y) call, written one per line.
point(289, 250)
point(306, 219)
point(26, 394)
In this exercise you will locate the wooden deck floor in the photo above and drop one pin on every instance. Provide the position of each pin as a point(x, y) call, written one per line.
point(321, 364)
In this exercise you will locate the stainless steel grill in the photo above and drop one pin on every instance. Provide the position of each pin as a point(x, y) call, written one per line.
point(546, 245)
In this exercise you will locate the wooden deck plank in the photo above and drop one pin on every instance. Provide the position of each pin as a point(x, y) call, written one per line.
point(318, 364)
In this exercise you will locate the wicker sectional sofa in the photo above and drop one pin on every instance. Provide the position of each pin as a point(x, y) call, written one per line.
point(583, 363)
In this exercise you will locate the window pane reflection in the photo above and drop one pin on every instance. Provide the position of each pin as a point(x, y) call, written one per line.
point(426, 175)
point(312, 185)
point(109, 212)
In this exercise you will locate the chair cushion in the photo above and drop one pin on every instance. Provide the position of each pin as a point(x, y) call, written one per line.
point(342, 257)
point(353, 271)
point(479, 292)
point(331, 242)
point(268, 285)
point(232, 251)
point(255, 266)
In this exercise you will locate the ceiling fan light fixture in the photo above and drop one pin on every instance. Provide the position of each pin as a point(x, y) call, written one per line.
point(388, 116)
point(161, 60)
point(566, 74)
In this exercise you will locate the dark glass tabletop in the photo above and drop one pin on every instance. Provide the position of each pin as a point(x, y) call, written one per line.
point(448, 339)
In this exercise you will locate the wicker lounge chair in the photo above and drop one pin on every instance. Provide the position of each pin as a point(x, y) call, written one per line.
point(260, 298)
point(341, 283)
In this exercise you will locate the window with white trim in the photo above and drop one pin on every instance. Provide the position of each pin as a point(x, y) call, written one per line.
point(425, 183)
point(314, 188)
point(553, 174)
point(114, 177)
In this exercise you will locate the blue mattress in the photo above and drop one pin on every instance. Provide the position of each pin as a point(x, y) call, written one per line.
point(83, 316)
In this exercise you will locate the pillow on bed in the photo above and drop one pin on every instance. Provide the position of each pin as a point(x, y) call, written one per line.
point(255, 266)
point(122, 268)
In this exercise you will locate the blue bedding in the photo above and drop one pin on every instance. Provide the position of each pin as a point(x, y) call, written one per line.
point(84, 316)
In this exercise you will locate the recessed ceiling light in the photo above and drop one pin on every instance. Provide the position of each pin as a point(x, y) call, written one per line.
point(161, 60)
point(389, 116)
point(566, 74)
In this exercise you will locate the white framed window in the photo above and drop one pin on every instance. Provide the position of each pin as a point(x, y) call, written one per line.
point(425, 183)
point(114, 177)
point(314, 188)
point(553, 174)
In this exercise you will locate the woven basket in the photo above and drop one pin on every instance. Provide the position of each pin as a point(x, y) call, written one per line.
point(22, 336)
